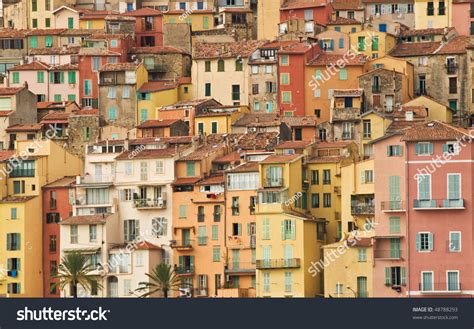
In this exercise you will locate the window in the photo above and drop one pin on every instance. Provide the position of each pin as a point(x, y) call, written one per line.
point(217, 213)
point(361, 43)
point(236, 229)
point(207, 91)
point(430, 8)
point(327, 200)
point(143, 115)
point(266, 229)
point(112, 94)
point(427, 281)
point(454, 188)
point(14, 288)
point(95, 64)
point(159, 167)
point(255, 69)
point(201, 214)
point(394, 150)
point(235, 206)
point(339, 289)
point(452, 280)
point(112, 114)
point(268, 69)
point(73, 234)
point(40, 77)
point(87, 87)
point(235, 92)
point(362, 255)
point(13, 241)
point(286, 97)
point(361, 286)
point(314, 177)
point(239, 65)
point(441, 8)
point(220, 65)
point(424, 187)
point(131, 229)
point(343, 74)
point(285, 60)
point(34, 5)
point(285, 78)
point(367, 129)
point(207, 66)
point(216, 254)
point(454, 241)
point(52, 217)
point(453, 85)
point(34, 23)
point(215, 232)
point(326, 177)
point(190, 169)
point(424, 241)
point(266, 282)
point(320, 231)
point(395, 276)
point(93, 232)
point(16, 77)
point(288, 282)
point(367, 177)
point(375, 43)
point(183, 211)
point(288, 229)
point(394, 225)
point(159, 226)
point(424, 148)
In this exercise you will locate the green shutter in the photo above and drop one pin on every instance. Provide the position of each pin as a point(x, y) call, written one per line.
point(418, 242)
point(191, 261)
point(33, 42)
point(430, 148)
point(293, 229)
point(239, 229)
point(62, 77)
point(417, 149)
point(70, 22)
point(387, 276)
point(430, 241)
point(181, 261)
point(205, 22)
point(445, 148)
point(454, 185)
point(403, 276)
point(71, 77)
point(283, 237)
point(51, 77)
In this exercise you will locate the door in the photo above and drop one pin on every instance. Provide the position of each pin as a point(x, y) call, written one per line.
point(389, 103)
point(348, 102)
point(383, 27)
point(186, 237)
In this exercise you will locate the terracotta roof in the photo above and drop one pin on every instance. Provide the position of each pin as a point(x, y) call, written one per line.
point(52, 105)
point(294, 145)
point(144, 12)
point(229, 158)
point(212, 180)
point(299, 121)
point(348, 92)
point(418, 111)
point(325, 59)
point(456, 45)
point(56, 116)
point(245, 167)
point(157, 123)
point(67, 181)
point(86, 112)
point(21, 128)
point(148, 154)
point(423, 32)
point(33, 66)
point(202, 153)
point(281, 158)
point(433, 131)
point(10, 90)
point(65, 67)
point(204, 50)
point(95, 51)
point(257, 118)
point(159, 50)
point(157, 86)
point(12, 33)
point(347, 5)
point(145, 245)
point(235, 10)
point(5, 113)
point(40, 32)
point(88, 219)
point(344, 21)
point(162, 140)
point(113, 67)
point(186, 181)
point(338, 144)
point(16, 199)
point(80, 32)
point(5, 155)
point(54, 51)
point(397, 126)
point(301, 4)
point(277, 44)
point(298, 48)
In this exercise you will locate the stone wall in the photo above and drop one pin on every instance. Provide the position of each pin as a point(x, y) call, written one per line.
point(77, 141)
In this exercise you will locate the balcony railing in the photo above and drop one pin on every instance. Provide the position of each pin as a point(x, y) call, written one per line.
point(393, 206)
point(278, 263)
point(239, 267)
point(451, 68)
point(186, 269)
point(347, 135)
point(274, 182)
point(438, 204)
point(159, 203)
point(440, 288)
point(363, 209)
point(183, 244)
point(376, 89)
point(156, 67)
point(200, 292)
point(388, 254)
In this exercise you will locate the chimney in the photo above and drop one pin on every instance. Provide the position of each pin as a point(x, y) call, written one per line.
point(126, 144)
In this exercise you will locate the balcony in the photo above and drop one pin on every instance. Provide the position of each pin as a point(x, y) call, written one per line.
point(393, 206)
point(441, 288)
point(362, 209)
point(274, 182)
point(345, 114)
point(278, 263)
point(438, 204)
point(160, 68)
point(200, 292)
point(393, 254)
point(144, 204)
point(183, 245)
point(451, 68)
point(240, 268)
point(185, 270)
point(96, 179)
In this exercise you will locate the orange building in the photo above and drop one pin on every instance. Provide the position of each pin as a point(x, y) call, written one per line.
point(325, 73)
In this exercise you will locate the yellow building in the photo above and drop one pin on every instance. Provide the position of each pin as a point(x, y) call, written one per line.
point(199, 20)
point(286, 234)
point(374, 125)
point(348, 263)
point(344, 25)
point(40, 12)
point(267, 29)
point(35, 164)
point(152, 95)
point(91, 20)
point(435, 110)
point(218, 119)
point(374, 44)
point(431, 14)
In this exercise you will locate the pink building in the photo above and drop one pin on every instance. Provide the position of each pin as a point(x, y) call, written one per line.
point(463, 16)
point(426, 175)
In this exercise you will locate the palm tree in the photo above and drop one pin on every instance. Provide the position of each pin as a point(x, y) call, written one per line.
point(163, 279)
point(75, 269)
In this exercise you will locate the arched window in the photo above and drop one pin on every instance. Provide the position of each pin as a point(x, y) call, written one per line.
point(220, 65)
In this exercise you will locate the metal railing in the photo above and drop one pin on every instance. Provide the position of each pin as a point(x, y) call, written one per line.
point(186, 269)
point(239, 267)
point(274, 182)
point(362, 209)
point(18, 172)
point(393, 205)
point(159, 203)
point(183, 244)
point(434, 204)
point(278, 263)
